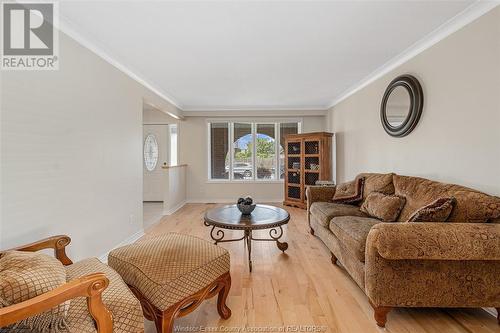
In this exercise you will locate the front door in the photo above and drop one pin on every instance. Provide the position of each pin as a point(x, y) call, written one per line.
point(155, 143)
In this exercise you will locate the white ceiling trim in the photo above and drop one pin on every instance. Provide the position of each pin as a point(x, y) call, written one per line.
point(257, 113)
point(455, 23)
point(66, 26)
point(254, 108)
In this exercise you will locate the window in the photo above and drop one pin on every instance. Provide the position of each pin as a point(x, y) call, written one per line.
point(219, 148)
point(265, 157)
point(173, 144)
point(242, 151)
point(248, 150)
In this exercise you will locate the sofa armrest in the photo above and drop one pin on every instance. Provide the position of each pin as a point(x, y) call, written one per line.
point(90, 286)
point(319, 193)
point(57, 243)
point(436, 241)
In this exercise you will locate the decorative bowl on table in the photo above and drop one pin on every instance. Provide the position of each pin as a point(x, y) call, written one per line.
point(246, 205)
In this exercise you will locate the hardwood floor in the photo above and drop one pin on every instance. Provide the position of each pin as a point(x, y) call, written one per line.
point(301, 291)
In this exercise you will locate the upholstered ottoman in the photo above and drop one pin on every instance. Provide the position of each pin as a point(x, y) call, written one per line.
point(172, 274)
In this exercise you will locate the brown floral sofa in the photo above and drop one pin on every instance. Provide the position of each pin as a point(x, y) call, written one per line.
point(455, 263)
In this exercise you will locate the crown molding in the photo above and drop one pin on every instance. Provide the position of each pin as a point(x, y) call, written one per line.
point(265, 112)
point(469, 14)
point(67, 27)
point(254, 108)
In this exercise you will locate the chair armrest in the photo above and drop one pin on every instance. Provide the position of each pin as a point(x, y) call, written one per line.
point(319, 193)
point(436, 241)
point(58, 243)
point(90, 286)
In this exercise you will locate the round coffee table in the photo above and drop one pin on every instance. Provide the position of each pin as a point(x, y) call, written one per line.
point(263, 217)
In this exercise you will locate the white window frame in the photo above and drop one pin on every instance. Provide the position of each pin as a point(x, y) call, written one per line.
point(169, 143)
point(254, 124)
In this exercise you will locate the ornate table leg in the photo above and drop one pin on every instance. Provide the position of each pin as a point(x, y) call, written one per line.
point(218, 235)
point(275, 234)
point(248, 238)
point(283, 246)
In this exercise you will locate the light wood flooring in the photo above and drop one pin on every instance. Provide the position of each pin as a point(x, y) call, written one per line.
point(301, 291)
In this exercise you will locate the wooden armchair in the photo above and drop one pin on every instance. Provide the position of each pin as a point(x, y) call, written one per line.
point(90, 286)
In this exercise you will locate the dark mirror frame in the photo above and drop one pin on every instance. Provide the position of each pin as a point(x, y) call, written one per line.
point(411, 84)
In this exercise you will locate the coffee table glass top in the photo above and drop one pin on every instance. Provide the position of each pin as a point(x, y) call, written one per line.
point(262, 217)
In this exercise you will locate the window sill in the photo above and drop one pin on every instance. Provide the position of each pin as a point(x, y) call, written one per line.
point(222, 181)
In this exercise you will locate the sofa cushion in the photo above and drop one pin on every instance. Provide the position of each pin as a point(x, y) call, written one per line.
point(24, 275)
point(377, 182)
point(437, 211)
point(385, 207)
point(352, 232)
point(349, 192)
point(471, 205)
point(325, 211)
point(125, 308)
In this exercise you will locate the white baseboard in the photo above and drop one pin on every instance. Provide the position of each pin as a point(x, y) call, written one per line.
point(491, 311)
point(129, 240)
point(174, 209)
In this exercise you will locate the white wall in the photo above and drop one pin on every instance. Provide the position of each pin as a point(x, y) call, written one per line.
point(174, 184)
point(193, 152)
point(72, 153)
point(458, 137)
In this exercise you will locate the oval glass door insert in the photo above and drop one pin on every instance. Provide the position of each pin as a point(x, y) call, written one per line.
point(150, 152)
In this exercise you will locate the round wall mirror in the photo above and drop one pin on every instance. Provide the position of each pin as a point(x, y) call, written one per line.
point(401, 106)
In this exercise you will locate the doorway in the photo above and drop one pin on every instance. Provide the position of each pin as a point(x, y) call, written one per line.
point(155, 139)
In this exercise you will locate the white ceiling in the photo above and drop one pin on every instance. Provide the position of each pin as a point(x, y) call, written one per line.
point(219, 55)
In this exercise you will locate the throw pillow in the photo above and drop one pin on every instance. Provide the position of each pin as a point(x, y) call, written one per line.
point(24, 275)
point(350, 192)
point(385, 207)
point(437, 211)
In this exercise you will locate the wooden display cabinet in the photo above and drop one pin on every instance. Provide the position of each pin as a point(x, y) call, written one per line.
point(307, 159)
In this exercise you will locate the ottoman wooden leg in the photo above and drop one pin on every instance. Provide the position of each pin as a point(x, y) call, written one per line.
point(164, 320)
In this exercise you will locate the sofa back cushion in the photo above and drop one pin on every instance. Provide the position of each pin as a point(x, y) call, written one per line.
point(471, 205)
point(377, 182)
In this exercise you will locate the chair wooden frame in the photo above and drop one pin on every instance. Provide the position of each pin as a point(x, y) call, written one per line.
point(90, 286)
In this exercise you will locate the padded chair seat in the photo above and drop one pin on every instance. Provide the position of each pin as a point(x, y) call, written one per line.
point(325, 211)
point(125, 308)
point(352, 232)
point(169, 268)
